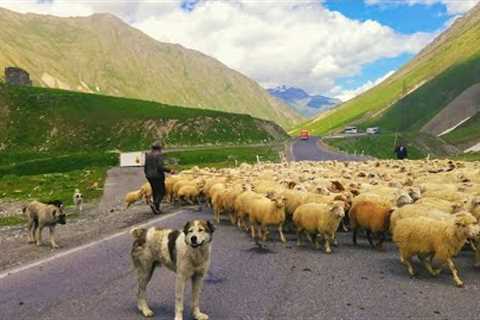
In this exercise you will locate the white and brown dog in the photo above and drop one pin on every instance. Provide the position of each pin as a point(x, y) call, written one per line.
point(78, 200)
point(185, 252)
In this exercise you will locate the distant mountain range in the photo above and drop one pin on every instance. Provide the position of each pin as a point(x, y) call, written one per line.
point(102, 54)
point(302, 102)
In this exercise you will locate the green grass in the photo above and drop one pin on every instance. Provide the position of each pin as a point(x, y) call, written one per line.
point(466, 133)
point(222, 157)
point(379, 146)
point(471, 156)
point(48, 120)
point(54, 176)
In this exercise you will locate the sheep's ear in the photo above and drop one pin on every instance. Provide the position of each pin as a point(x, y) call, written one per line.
point(186, 227)
point(210, 226)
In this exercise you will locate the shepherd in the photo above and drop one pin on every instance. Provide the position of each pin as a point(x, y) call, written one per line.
point(155, 174)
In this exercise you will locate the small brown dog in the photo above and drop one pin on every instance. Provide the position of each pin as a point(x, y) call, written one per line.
point(40, 215)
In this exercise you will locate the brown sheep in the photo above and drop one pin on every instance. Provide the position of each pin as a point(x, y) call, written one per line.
point(371, 216)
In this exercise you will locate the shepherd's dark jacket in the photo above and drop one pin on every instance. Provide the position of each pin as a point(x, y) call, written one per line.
point(154, 167)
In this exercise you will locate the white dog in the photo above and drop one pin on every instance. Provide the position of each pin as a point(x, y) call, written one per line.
point(187, 253)
point(78, 200)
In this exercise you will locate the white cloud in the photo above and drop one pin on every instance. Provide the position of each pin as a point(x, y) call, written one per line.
point(454, 7)
point(300, 44)
point(346, 95)
point(296, 43)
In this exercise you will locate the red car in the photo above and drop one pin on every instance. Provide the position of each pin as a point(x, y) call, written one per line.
point(304, 134)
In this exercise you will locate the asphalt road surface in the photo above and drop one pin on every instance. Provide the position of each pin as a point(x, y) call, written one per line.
point(314, 150)
point(96, 281)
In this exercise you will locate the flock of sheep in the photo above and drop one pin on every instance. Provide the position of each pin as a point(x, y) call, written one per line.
point(429, 207)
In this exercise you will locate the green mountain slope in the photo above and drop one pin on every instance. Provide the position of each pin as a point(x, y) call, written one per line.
point(52, 120)
point(102, 54)
point(413, 95)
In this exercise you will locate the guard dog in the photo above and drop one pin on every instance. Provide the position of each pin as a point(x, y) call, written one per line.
point(185, 252)
point(78, 200)
point(40, 215)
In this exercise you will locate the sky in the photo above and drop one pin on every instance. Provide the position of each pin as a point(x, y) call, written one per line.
point(336, 48)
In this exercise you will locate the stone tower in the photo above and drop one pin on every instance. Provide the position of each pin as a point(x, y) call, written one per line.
point(16, 76)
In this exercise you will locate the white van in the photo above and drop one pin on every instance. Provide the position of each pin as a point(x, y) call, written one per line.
point(350, 130)
point(373, 130)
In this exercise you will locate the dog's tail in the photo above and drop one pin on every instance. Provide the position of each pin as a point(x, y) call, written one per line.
point(138, 233)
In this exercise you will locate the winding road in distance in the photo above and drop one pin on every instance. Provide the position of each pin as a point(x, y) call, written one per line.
point(96, 281)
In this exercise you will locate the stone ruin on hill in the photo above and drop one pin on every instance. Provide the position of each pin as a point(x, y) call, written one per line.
point(16, 76)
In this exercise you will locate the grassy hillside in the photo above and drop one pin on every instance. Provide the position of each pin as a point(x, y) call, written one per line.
point(51, 120)
point(418, 108)
point(439, 73)
point(102, 54)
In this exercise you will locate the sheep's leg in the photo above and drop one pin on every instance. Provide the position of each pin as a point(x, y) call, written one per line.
point(232, 218)
point(354, 234)
point(407, 261)
point(427, 262)
point(454, 270)
point(381, 239)
point(309, 237)
point(252, 230)
point(299, 238)
point(316, 240)
point(369, 238)
point(260, 232)
point(327, 244)
point(265, 232)
point(282, 236)
point(476, 250)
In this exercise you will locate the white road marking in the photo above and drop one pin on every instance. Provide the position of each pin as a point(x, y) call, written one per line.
point(82, 247)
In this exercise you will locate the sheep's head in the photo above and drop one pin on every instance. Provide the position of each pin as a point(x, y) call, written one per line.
point(277, 199)
point(467, 225)
point(404, 199)
point(415, 194)
point(322, 190)
point(338, 209)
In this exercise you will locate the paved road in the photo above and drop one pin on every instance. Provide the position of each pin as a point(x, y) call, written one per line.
point(280, 282)
point(313, 149)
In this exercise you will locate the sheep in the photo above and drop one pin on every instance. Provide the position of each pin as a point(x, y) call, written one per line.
point(417, 210)
point(372, 216)
point(240, 206)
point(133, 197)
point(440, 204)
point(434, 239)
point(147, 193)
point(318, 218)
point(189, 193)
point(267, 211)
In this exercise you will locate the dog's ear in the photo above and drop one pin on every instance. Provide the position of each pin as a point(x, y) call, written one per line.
point(54, 212)
point(186, 227)
point(210, 226)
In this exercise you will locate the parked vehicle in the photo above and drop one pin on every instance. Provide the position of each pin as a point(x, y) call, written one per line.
point(304, 134)
point(350, 130)
point(373, 130)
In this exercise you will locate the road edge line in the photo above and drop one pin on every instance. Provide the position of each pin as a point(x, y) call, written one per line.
point(84, 246)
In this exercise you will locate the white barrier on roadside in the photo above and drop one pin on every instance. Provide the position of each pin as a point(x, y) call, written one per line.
point(132, 159)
